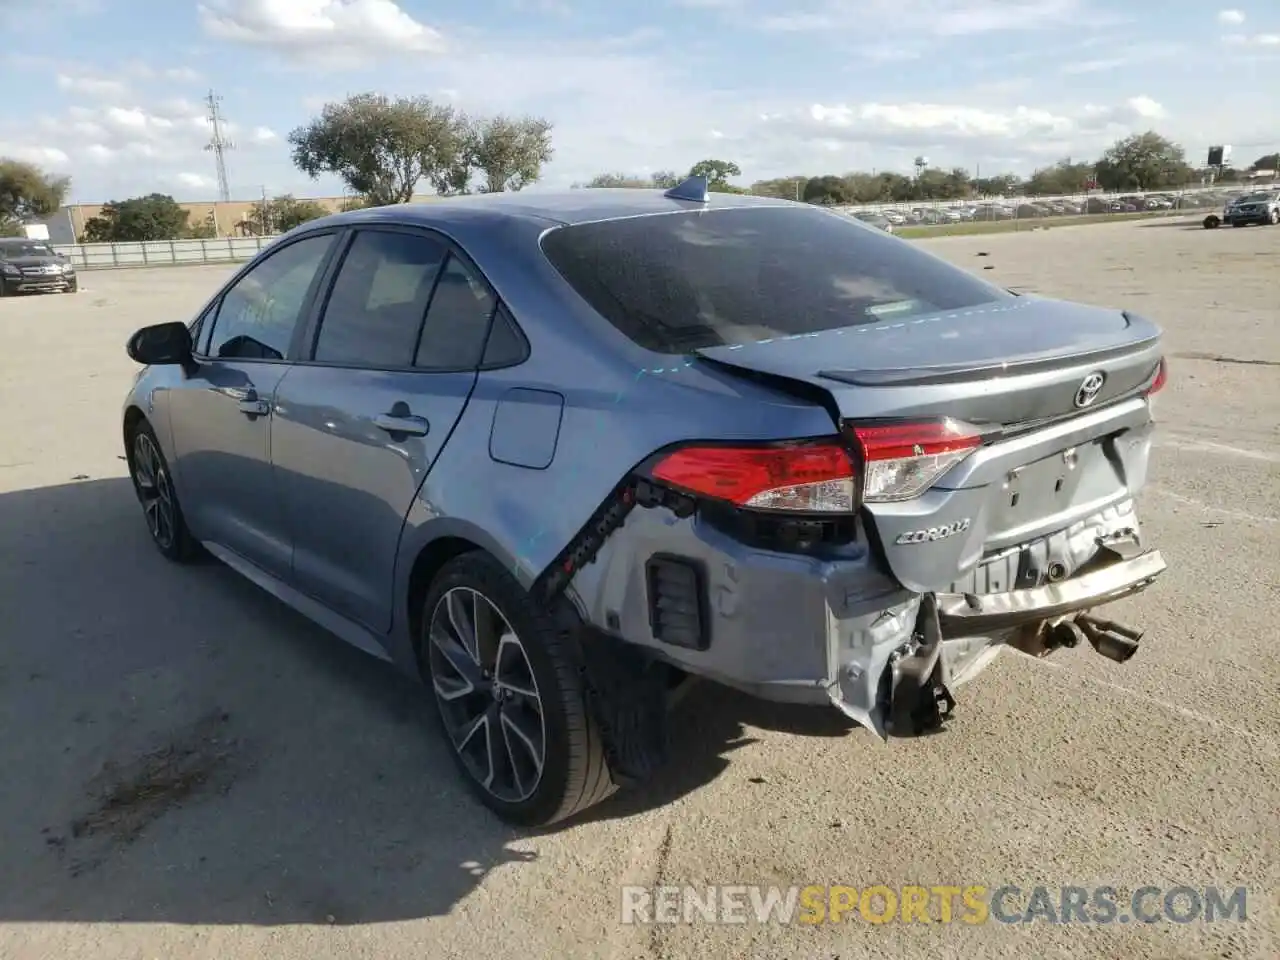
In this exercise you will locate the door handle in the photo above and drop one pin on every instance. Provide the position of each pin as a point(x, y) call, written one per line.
point(251, 405)
point(406, 424)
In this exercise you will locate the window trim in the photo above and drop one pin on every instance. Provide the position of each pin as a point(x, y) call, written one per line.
point(309, 333)
point(207, 320)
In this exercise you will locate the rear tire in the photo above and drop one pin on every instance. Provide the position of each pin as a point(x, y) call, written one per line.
point(510, 696)
point(153, 483)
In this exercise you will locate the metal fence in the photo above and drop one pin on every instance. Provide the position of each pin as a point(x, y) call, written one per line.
point(162, 253)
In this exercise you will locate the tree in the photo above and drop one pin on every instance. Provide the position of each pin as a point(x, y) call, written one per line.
point(1144, 161)
point(27, 192)
point(508, 153)
point(1064, 177)
point(206, 229)
point(156, 216)
point(383, 148)
point(717, 173)
point(1001, 185)
point(666, 179)
point(282, 214)
point(1270, 161)
point(826, 191)
point(616, 180)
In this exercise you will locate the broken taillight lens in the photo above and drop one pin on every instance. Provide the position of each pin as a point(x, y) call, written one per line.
point(1160, 379)
point(903, 460)
point(812, 477)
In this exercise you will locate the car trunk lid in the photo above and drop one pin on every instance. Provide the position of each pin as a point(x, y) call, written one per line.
point(1054, 389)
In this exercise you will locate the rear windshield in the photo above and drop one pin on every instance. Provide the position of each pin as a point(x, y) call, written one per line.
point(680, 282)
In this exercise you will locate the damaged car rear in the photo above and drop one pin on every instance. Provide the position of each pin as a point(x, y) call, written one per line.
point(914, 468)
point(553, 454)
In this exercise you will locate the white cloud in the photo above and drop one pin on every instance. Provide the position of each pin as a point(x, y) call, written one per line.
point(1265, 40)
point(263, 135)
point(194, 181)
point(332, 33)
point(1144, 106)
point(946, 18)
point(43, 156)
point(1231, 17)
point(99, 88)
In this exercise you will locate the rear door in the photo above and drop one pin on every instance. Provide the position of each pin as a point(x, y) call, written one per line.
point(389, 370)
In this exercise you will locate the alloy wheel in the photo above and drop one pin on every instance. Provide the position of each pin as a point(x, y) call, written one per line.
point(487, 694)
point(155, 489)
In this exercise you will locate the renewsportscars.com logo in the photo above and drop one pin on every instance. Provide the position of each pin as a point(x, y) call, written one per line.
point(971, 904)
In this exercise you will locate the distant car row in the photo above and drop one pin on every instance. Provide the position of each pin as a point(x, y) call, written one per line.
point(891, 218)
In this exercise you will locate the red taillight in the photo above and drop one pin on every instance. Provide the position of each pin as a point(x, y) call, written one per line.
point(809, 478)
point(905, 459)
point(1161, 378)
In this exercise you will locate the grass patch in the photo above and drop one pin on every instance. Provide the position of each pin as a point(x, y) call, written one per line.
point(1029, 223)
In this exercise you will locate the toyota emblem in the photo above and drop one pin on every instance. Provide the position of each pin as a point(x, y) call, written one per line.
point(1089, 389)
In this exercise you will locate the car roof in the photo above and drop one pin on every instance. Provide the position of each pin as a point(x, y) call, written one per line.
point(584, 205)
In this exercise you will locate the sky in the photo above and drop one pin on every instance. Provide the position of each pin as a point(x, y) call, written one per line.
point(110, 92)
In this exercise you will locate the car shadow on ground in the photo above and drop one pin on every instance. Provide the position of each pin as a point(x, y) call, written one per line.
point(180, 747)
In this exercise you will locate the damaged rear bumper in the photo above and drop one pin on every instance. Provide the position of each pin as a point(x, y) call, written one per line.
point(920, 697)
point(839, 630)
point(967, 614)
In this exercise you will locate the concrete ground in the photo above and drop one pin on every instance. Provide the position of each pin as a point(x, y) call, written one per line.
point(188, 769)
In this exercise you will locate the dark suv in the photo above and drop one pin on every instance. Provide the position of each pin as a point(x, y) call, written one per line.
point(32, 266)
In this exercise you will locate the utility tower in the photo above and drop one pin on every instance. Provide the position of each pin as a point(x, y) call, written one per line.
point(219, 145)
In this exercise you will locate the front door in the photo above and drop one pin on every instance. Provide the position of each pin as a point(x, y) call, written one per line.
point(359, 426)
point(222, 415)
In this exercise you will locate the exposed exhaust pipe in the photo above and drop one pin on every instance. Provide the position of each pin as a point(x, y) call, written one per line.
point(1113, 640)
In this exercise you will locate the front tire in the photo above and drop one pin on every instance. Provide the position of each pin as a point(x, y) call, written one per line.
point(1274, 217)
point(153, 483)
point(510, 696)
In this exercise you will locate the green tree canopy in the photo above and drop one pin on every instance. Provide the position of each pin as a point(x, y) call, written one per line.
point(156, 216)
point(282, 214)
point(27, 192)
point(508, 153)
point(384, 148)
point(1064, 177)
point(1144, 161)
point(1270, 161)
point(717, 173)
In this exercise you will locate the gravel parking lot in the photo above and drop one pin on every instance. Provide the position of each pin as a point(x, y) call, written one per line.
point(188, 769)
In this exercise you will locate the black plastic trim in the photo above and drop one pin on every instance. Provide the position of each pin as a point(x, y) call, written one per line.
point(699, 572)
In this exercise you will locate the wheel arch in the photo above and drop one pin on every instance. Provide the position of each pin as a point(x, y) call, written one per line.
point(425, 551)
point(133, 416)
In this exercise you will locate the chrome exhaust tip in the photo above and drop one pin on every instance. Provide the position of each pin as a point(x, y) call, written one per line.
point(1113, 640)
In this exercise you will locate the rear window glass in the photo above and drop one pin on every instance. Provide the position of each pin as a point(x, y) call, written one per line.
point(680, 282)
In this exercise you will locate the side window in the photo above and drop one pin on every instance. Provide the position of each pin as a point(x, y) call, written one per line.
point(457, 320)
point(378, 300)
point(258, 314)
point(506, 346)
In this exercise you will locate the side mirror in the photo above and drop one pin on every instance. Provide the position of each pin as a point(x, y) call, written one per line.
point(163, 343)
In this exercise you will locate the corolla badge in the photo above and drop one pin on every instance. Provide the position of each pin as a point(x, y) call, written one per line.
point(1089, 389)
point(933, 534)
